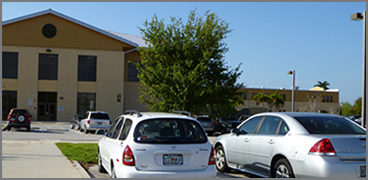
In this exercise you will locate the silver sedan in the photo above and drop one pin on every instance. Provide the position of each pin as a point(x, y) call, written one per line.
point(294, 145)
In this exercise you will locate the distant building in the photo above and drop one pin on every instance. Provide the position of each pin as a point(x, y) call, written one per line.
point(57, 66)
point(313, 100)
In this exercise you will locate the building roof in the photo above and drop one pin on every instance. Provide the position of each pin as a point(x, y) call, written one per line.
point(132, 40)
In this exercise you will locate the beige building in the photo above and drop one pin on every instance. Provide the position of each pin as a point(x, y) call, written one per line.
point(57, 66)
point(313, 100)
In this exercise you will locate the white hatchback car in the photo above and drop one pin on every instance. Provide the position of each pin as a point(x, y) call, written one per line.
point(156, 145)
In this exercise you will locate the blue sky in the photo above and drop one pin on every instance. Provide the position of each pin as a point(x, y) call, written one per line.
point(316, 39)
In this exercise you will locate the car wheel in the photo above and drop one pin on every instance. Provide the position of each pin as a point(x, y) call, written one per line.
point(21, 118)
point(100, 167)
point(85, 130)
point(81, 129)
point(72, 125)
point(29, 128)
point(77, 127)
point(221, 164)
point(113, 173)
point(282, 169)
point(223, 131)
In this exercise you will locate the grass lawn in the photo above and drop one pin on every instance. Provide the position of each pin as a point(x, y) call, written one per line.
point(84, 153)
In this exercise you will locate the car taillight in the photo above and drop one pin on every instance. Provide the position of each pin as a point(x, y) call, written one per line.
point(128, 158)
point(110, 122)
point(323, 148)
point(212, 159)
point(88, 121)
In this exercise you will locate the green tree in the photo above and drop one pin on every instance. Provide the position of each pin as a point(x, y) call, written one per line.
point(357, 107)
point(323, 84)
point(345, 108)
point(276, 100)
point(183, 67)
point(261, 98)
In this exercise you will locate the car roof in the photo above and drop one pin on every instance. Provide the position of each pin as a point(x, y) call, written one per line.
point(96, 112)
point(296, 114)
point(149, 115)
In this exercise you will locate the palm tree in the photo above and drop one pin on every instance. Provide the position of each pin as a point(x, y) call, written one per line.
point(323, 84)
point(260, 98)
point(276, 100)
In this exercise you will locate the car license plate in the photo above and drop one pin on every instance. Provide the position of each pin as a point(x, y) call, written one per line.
point(99, 123)
point(363, 171)
point(173, 159)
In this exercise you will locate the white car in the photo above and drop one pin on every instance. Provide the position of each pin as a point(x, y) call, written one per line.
point(302, 145)
point(156, 145)
point(93, 120)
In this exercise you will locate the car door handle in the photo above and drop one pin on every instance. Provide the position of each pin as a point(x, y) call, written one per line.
point(246, 140)
point(271, 141)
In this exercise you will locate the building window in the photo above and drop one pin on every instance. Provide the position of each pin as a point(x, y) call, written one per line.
point(87, 68)
point(323, 99)
point(132, 72)
point(10, 65)
point(284, 96)
point(48, 66)
point(86, 102)
point(9, 101)
point(331, 99)
point(245, 96)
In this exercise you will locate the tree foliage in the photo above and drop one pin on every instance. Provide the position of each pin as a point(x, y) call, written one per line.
point(183, 67)
point(323, 84)
point(356, 108)
point(275, 101)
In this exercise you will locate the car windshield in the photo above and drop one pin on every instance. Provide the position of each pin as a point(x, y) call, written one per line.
point(99, 116)
point(329, 125)
point(169, 131)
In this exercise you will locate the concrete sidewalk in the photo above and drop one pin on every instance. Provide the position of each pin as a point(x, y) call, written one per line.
point(37, 159)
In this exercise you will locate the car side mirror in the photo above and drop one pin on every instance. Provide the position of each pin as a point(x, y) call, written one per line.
point(235, 130)
point(100, 132)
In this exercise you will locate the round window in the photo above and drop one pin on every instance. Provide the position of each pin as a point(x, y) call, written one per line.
point(49, 30)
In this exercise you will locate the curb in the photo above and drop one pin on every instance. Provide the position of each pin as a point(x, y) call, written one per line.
point(81, 170)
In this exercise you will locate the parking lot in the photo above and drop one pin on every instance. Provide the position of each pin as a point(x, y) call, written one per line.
point(51, 132)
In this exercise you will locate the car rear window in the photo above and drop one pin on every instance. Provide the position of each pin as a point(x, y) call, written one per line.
point(169, 131)
point(329, 125)
point(19, 111)
point(99, 116)
point(204, 119)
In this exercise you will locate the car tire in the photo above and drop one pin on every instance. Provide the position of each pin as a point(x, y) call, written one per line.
point(29, 128)
point(85, 130)
point(113, 173)
point(221, 164)
point(81, 129)
point(100, 167)
point(72, 125)
point(77, 127)
point(282, 169)
point(223, 131)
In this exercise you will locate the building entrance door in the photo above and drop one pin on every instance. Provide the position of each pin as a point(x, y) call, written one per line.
point(47, 106)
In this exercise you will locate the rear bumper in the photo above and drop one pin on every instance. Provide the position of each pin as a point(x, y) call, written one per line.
point(326, 167)
point(95, 127)
point(132, 172)
point(13, 124)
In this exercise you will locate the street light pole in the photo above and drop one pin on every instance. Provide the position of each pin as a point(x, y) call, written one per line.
point(292, 91)
point(358, 17)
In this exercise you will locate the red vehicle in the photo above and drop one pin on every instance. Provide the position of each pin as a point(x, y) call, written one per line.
point(19, 118)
